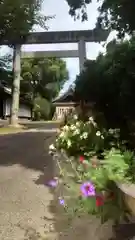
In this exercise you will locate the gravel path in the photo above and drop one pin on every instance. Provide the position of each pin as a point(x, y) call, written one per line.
point(24, 200)
point(28, 209)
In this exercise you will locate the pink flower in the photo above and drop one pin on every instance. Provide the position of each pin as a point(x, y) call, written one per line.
point(81, 159)
point(88, 189)
point(53, 183)
point(61, 201)
point(99, 201)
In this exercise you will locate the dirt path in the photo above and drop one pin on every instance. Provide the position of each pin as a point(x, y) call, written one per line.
point(28, 209)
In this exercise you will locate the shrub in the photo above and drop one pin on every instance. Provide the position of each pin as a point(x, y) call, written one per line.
point(78, 137)
point(43, 110)
point(97, 161)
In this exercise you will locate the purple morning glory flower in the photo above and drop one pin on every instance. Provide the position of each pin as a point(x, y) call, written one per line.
point(61, 201)
point(53, 183)
point(88, 189)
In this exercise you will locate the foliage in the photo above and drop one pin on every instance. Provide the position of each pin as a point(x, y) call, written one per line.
point(42, 109)
point(78, 137)
point(130, 161)
point(107, 202)
point(41, 80)
point(68, 117)
point(109, 82)
point(118, 14)
point(78, 5)
point(39, 76)
point(18, 18)
point(43, 76)
point(5, 70)
point(94, 171)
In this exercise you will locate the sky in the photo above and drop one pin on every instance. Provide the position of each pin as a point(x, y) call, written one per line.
point(62, 22)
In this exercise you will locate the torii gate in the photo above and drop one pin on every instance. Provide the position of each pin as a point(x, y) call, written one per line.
point(80, 37)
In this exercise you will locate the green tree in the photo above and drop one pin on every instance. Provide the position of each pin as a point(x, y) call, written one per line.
point(109, 82)
point(17, 19)
point(42, 77)
point(5, 69)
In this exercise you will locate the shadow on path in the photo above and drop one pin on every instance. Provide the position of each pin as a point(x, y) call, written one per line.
point(27, 149)
point(124, 232)
point(23, 204)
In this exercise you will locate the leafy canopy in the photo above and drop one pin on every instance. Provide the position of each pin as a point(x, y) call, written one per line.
point(5, 68)
point(117, 14)
point(18, 17)
point(109, 82)
point(43, 76)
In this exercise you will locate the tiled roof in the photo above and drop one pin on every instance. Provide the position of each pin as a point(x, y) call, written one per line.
point(66, 96)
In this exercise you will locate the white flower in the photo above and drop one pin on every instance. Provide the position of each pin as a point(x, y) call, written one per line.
point(111, 131)
point(102, 136)
point(51, 153)
point(51, 147)
point(78, 124)
point(98, 133)
point(75, 117)
point(69, 143)
point(76, 132)
point(62, 134)
point(84, 135)
point(72, 127)
point(91, 119)
point(65, 128)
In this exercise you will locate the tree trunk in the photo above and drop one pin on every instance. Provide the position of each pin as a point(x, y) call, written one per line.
point(16, 86)
point(33, 101)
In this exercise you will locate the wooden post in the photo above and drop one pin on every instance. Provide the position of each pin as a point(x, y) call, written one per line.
point(16, 86)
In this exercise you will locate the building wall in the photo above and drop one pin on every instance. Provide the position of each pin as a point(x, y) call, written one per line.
point(62, 110)
point(24, 110)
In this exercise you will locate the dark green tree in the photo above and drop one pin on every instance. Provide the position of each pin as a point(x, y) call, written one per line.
point(109, 83)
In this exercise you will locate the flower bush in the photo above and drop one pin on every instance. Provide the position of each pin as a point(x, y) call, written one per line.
point(97, 182)
point(78, 137)
point(98, 160)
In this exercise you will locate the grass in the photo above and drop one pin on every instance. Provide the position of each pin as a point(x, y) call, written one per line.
point(10, 130)
point(23, 126)
point(41, 121)
point(49, 121)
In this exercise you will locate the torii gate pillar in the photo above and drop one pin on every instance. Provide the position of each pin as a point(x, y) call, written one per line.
point(82, 54)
